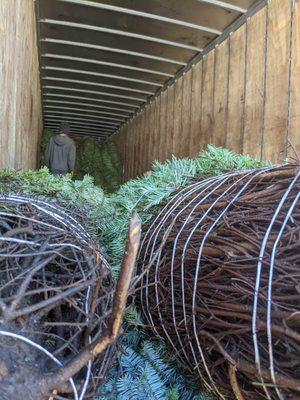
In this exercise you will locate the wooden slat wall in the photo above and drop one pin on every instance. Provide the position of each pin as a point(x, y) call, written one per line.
point(20, 104)
point(243, 95)
point(294, 118)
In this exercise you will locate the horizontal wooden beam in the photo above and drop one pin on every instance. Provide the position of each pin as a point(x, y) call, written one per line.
point(226, 6)
point(62, 103)
point(142, 14)
point(119, 96)
point(85, 72)
point(124, 88)
point(78, 109)
point(113, 50)
point(94, 99)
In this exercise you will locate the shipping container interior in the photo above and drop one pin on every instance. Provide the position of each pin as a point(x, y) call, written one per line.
point(159, 78)
point(182, 283)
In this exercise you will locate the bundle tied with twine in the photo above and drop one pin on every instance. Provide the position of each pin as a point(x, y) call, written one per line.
point(220, 282)
point(61, 310)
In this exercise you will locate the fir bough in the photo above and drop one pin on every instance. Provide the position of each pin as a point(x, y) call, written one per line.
point(146, 371)
point(145, 194)
point(82, 194)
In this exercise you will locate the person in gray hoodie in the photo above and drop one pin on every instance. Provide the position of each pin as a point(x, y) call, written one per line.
point(60, 153)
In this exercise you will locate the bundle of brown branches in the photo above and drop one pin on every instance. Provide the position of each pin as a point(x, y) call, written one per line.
point(58, 320)
point(220, 271)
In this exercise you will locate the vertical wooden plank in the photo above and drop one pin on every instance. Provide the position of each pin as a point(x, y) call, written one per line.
point(125, 152)
point(136, 147)
point(157, 129)
point(255, 77)
point(149, 155)
point(20, 106)
point(146, 136)
point(152, 139)
point(151, 135)
point(142, 141)
point(294, 124)
point(132, 148)
point(220, 94)
point(235, 125)
point(177, 116)
point(186, 114)
point(163, 126)
point(119, 142)
point(128, 150)
point(277, 80)
point(170, 123)
point(126, 155)
point(194, 142)
point(207, 100)
point(146, 139)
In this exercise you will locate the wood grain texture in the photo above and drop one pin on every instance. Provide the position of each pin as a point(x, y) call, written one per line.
point(236, 92)
point(152, 137)
point(186, 115)
point(277, 80)
point(207, 99)
point(163, 126)
point(157, 129)
point(138, 139)
point(146, 138)
point(194, 142)
point(294, 123)
point(240, 88)
point(134, 160)
point(220, 94)
point(143, 141)
point(170, 123)
point(20, 105)
point(177, 116)
point(255, 77)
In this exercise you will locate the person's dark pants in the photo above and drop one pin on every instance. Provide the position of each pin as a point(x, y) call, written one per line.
point(59, 173)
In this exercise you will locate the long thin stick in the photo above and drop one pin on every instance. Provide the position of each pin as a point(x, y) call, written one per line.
point(55, 380)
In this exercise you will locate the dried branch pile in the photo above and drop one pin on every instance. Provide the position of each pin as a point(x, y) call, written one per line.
point(220, 283)
point(57, 307)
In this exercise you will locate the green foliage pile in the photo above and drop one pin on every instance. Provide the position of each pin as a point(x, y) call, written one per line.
point(146, 371)
point(145, 194)
point(82, 194)
point(101, 161)
point(97, 159)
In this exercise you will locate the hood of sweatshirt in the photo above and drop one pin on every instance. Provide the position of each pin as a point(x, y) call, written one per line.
point(61, 140)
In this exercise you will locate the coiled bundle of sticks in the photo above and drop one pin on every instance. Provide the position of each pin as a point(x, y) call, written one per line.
point(220, 269)
point(60, 308)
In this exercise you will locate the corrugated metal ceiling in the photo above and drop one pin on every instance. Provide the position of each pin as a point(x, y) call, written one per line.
point(102, 60)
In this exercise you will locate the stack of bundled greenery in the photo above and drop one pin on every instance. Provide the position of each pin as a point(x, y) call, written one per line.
point(97, 159)
point(146, 371)
point(146, 194)
point(83, 195)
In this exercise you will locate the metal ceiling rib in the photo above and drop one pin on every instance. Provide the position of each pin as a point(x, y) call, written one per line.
point(102, 60)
